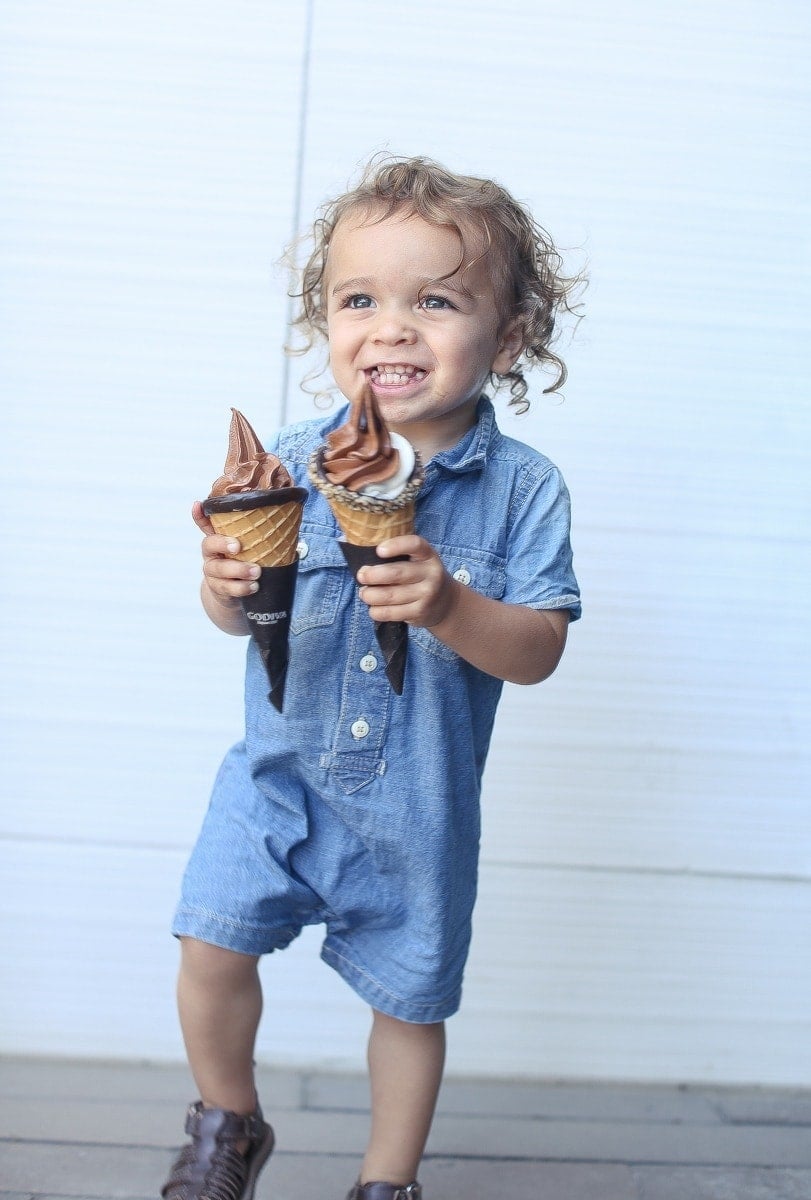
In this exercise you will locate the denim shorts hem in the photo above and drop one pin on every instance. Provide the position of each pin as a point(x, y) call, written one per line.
point(381, 998)
point(228, 934)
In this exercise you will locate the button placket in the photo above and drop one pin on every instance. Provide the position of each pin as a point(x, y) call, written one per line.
point(365, 704)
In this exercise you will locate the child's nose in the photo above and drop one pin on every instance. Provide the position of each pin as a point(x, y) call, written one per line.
point(393, 329)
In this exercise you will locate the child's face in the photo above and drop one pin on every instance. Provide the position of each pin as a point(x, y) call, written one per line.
point(426, 347)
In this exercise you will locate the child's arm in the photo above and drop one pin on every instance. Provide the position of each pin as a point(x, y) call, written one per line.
point(225, 579)
point(510, 641)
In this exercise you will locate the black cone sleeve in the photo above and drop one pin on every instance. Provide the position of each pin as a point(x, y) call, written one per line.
point(392, 636)
point(268, 613)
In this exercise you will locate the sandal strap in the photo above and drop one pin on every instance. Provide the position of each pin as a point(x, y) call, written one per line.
point(213, 1164)
point(230, 1126)
point(379, 1190)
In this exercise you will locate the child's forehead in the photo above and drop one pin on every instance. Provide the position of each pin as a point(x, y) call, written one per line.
point(367, 228)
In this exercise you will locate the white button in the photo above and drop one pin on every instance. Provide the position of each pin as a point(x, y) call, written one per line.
point(462, 575)
point(359, 728)
point(368, 663)
point(303, 549)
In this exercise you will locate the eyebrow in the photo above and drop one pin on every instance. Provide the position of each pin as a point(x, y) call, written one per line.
point(366, 281)
point(360, 281)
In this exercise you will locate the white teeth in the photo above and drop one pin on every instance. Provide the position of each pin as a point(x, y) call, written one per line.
point(392, 373)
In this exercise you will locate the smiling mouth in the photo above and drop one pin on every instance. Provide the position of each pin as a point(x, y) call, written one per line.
point(396, 373)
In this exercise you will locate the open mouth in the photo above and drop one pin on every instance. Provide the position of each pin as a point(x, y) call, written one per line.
point(391, 374)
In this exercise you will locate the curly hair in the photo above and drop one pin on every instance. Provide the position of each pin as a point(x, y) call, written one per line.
point(526, 268)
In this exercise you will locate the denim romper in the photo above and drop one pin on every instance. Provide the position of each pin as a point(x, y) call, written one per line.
point(355, 807)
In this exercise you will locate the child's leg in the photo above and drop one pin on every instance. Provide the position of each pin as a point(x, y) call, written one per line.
point(405, 1069)
point(220, 1003)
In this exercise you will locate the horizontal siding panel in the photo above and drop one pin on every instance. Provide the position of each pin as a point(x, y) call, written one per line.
point(590, 974)
point(87, 928)
point(675, 978)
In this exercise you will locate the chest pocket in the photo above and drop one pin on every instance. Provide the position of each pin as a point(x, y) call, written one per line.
point(322, 574)
point(478, 569)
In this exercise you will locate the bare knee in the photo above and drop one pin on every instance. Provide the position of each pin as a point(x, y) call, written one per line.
point(213, 966)
point(393, 1028)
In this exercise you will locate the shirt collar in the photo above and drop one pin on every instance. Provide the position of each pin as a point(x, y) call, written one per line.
point(470, 452)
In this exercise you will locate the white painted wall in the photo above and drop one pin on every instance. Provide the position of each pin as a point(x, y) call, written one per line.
point(645, 907)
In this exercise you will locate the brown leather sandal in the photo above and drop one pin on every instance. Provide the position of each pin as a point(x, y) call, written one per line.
point(385, 1191)
point(211, 1167)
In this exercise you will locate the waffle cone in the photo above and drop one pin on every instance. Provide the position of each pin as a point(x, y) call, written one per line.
point(268, 535)
point(367, 520)
point(365, 528)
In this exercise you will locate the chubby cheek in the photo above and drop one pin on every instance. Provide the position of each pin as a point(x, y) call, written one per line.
point(341, 347)
point(334, 335)
point(471, 358)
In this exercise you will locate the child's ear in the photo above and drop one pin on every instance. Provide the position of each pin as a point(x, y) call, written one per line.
point(510, 345)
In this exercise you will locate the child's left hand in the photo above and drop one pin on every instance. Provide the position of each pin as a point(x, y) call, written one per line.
point(418, 591)
point(509, 641)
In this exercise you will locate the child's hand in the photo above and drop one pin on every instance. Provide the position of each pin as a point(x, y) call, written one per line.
point(419, 591)
point(226, 578)
point(508, 641)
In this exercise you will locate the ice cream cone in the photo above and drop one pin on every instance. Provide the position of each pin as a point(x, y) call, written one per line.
point(365, 522)
point(267, 525)
point(392, 636)
point(268, 612)
point(268, 531)
point(366, 527)
point(370, 478)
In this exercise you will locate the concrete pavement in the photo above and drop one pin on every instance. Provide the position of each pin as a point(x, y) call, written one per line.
point(109, 1131)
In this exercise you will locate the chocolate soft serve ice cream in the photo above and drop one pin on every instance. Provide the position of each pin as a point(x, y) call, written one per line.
point(255, 501)
point(370, 478)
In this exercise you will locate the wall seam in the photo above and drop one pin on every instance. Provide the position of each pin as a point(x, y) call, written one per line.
point(304, 100)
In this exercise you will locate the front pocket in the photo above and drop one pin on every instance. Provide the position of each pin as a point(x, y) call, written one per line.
point(484, 572)
point(322, 575)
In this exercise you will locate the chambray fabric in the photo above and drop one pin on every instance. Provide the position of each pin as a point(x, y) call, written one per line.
point(355, 807)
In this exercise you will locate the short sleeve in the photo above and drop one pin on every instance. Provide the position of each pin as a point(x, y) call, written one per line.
point(540, 572)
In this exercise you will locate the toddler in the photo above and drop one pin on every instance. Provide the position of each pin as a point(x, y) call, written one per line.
point(357, 808)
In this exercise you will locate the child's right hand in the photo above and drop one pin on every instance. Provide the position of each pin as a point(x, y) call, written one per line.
point(225, 578)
